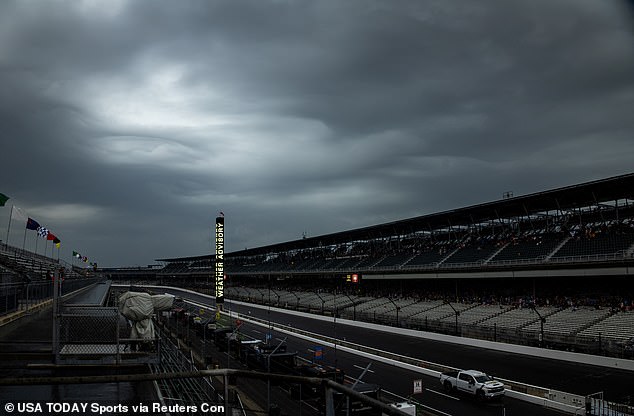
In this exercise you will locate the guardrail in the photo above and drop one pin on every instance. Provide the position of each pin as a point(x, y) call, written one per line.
point(515, 389)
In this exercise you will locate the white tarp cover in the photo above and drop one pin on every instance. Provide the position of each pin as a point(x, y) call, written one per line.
point(136, 306)
point(162, 302)
point(143, 329)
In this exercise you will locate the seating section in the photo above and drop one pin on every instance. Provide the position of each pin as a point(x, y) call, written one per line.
point(477, 313)
point(475, 252)
point(314, 301)
point(594, 234)
point(586, 322)
point(596, 243)
point(175, 268)
point(602, 241)
point(426, 258)
point(516, 318)
point(386, 310)
point(7, 275)
point(529, 247)
point(393, 261)
point(438, 313)
point(20, 265)
point(410, 308)
point(569, 321)
point(618, 327)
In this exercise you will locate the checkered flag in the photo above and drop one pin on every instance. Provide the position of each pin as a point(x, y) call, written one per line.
point(42, 232)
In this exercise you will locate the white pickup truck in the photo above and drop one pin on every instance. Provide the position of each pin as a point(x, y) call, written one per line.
point(472, 382)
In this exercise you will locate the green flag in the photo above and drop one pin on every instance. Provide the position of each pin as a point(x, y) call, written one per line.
point(3, 199)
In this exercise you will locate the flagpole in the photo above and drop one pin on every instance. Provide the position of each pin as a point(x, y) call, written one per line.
point(9, 227)
point(35, 243)
point(24, 241)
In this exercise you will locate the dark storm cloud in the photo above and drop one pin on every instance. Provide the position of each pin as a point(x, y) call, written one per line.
point(127, 125)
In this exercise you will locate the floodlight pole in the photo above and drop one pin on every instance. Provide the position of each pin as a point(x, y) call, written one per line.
point(334, 303)
point(334, 323)
point(276, 294)
point(398, 308)
point(456, 312)
point(354, 307)
point(261, 293)
point(56, 278)
point(269, 309)
point(298, 298)
point(323, 302)
point(542, 321)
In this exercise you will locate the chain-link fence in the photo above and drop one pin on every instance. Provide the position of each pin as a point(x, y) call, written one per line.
point(101, 334)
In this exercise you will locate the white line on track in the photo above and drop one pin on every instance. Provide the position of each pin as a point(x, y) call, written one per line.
point(362, 368)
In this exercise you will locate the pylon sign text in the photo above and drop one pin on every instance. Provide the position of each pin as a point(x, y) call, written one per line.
point(220, 254)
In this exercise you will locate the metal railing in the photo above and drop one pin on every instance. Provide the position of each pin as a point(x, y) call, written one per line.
point(22, 296)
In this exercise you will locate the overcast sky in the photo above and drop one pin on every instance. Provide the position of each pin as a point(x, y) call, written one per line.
point(126, 126)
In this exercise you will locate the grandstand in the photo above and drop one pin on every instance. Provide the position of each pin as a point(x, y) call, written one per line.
point(27, 279)
point(19, 265)
point(551, 268)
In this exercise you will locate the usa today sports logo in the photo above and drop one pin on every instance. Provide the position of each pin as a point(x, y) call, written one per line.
point(100, 409)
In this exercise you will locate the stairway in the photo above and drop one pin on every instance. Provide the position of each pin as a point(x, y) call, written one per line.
point(552, 253)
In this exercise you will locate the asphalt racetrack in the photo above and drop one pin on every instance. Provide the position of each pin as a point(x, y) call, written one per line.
point(559, 375)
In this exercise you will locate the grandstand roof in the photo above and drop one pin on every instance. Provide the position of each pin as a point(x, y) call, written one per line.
point(566, 198)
